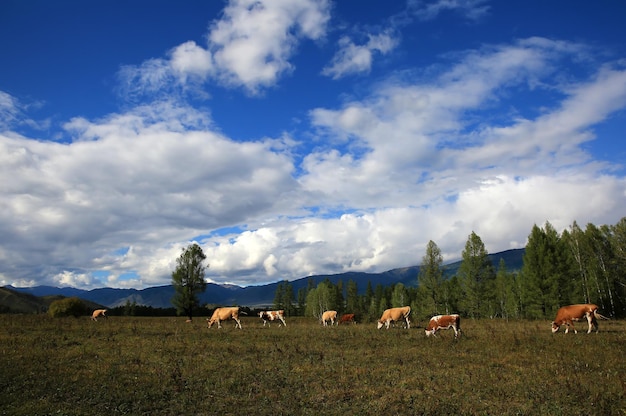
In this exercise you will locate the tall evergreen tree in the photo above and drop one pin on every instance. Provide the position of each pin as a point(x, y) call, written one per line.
point(353, 303)
point(301, 301)
point(477, 276)
point(580, 253)
point(548, 278)
point(531, 277)
point(188, 280)
point(283, 298)
point(505, 293)
point(430, 280)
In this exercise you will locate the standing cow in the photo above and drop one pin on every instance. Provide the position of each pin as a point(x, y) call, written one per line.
point(98, 313)
point(268, 316)
point(444, 322)
point(347, 318)
point(329, 316)
point(224, 314)
point(395, 315)
point(566, 315)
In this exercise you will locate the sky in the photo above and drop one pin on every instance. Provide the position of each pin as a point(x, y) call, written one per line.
point(291, 138)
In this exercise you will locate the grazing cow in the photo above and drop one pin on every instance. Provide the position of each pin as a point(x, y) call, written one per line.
point(224, 314)
point(394, 315)
point(97, 313)
point(329, 316)
point(444, 322)
point(269, 316)
point(347, 318)
point(568, 314)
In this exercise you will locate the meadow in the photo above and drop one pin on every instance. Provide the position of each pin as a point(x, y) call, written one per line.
point(164, 366)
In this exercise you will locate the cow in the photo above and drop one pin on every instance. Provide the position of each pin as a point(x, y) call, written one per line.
point(394, 315)
point(566, 315)
point(224, 314)
point(347, 318)
point(329, 316)
point(268, 316)
point(98, 313)
point(444, 322)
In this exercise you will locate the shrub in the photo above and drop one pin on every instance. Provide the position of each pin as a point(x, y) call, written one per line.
point(67, 307)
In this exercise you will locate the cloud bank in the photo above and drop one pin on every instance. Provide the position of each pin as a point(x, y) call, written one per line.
point(427, 154)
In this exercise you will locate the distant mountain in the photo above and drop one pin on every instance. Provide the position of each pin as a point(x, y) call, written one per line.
point(255, 296)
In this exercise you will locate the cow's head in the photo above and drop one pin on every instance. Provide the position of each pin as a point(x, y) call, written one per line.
point(429, 332)
point(555, 327)
point(210, 322)
point(380, 324)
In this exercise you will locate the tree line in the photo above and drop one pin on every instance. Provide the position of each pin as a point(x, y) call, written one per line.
point(575, 266)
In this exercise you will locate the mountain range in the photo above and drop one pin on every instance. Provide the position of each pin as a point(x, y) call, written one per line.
point(251, 296)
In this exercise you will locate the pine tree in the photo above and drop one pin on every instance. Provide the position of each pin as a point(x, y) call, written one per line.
point(476, 275)
point(505, 293)
point(548, 278)
point(353, 304)
point(430, 280)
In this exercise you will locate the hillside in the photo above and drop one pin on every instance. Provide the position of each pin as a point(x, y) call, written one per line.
point(16, 301)
point(253, 296)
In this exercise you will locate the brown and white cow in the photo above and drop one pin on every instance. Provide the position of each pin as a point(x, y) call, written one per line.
point(98, 313)
point(566, 315)
point(444, 322)
point(329, 316)
point(395, 315)
point(347, 318)
point(224, 314)
point(268, 316)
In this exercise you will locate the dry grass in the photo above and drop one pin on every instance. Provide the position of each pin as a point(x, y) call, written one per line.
point(162, 366)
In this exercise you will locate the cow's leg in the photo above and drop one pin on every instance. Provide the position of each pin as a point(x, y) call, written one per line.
point(592, 322)
point(408, 323)
point(283, 321)
point(238, 323)
point(570, 323)
point(219, 324)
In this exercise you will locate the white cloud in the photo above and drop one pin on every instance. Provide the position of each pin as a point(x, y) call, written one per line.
point(421, 158)
point(355, 59)
point(249, 48)
point(128, 179)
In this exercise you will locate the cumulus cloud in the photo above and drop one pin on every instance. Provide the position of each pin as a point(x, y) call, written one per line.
point(249, 48)
point(128, 179)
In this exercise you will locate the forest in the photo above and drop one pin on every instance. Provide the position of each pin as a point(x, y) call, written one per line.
point(577, 266)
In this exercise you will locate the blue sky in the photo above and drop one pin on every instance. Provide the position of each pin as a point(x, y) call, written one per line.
point(300, 137)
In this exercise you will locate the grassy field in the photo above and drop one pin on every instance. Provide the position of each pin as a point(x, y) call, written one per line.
point(164, 366)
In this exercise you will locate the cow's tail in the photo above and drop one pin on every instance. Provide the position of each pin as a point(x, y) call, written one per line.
point(243, 312)
point(597, 315)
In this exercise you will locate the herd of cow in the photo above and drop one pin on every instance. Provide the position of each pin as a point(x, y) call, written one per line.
point(566, 315)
